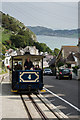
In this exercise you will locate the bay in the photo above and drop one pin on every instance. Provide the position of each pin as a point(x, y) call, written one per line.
point(57, 42)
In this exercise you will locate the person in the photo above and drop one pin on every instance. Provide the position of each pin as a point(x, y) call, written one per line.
point(37, 67)
point(18, 66)
point(28, 64)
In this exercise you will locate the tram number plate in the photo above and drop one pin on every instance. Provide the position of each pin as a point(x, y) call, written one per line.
point(29, 76)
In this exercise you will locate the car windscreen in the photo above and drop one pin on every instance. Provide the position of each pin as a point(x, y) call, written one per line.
point(65, 71)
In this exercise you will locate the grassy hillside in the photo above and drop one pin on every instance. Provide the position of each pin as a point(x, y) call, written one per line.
point(15, 35)
point(6, 35)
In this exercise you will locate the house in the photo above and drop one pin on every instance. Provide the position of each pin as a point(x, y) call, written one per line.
point(52, 65)
point(6, 61)
point(79, 61)
point(29, 49)
point(52, 62)
point(8, 55)
point(79, 53)
point(10, 52)
point(46, 60)
point(66, 56)
point(78, 56)
point(32, 50)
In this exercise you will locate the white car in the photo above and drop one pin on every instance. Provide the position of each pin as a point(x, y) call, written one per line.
point(47, 71)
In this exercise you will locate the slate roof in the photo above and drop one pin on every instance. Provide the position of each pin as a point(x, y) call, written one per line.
point(67, 53)
point(69, 49)
point(70, 57)
point(77, 55)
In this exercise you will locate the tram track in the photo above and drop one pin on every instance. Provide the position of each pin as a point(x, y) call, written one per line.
point(37, 108)
point(43, 116)
point(29, 115)
point(48, 107)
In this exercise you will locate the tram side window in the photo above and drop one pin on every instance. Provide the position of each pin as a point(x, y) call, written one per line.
point(37, 67)
point(17, 66)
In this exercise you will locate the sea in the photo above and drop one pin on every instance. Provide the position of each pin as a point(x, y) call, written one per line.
point(57, 42)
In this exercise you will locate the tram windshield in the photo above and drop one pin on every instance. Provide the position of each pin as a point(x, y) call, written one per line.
point(19, 62)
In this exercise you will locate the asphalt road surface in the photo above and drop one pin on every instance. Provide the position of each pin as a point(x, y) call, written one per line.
point(64, 94)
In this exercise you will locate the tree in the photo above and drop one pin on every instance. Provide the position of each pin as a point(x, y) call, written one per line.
point(2, 50)
point(17, 40)
point(56, 51)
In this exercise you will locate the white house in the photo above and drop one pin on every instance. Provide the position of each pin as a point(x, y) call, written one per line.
point(8, 55)
point(32, 50)
point(6, 61)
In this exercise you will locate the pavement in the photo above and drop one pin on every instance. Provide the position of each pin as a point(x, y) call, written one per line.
point(12, 106)
point(4, 77)
point(74, 76)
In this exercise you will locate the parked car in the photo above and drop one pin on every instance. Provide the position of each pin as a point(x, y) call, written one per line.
point(47, 71)
point(64, 73)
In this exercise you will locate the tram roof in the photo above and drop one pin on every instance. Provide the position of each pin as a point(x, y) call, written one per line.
point(20, 57)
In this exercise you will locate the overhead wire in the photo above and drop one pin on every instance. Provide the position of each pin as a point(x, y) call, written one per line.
point(50, 12)
point(42, 11)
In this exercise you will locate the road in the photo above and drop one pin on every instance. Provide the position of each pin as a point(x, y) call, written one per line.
point(64, 94)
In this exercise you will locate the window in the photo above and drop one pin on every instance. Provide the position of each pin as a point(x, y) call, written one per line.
point(6, 61)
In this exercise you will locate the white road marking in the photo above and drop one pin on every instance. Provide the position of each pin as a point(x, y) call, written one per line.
point(48, 86)
point(69, 114)
point(52, 100)
point(63, 100)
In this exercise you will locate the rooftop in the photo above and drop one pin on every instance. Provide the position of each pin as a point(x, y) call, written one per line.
point(69, 49)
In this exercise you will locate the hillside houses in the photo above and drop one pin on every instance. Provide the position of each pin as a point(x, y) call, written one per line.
point(29, 49)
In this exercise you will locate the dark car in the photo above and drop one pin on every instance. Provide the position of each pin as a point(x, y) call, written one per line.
point(64, 73)
point(47, 71)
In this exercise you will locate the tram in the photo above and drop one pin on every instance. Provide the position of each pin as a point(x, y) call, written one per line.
point(26, 80)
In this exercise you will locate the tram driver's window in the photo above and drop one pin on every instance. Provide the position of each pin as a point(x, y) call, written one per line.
point(18, 66)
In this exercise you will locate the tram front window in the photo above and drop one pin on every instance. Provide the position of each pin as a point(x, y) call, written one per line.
point(17, 66)
point(28, 65)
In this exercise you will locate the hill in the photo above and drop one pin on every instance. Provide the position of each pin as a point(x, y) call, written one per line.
point(15, 35)
point(39, 30)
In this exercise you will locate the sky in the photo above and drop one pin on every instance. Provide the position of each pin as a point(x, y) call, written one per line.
point(55, 15)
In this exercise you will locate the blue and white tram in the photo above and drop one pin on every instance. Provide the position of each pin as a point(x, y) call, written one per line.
point(26, 80)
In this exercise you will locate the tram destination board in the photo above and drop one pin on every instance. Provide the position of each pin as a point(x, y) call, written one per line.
point(29, 76)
